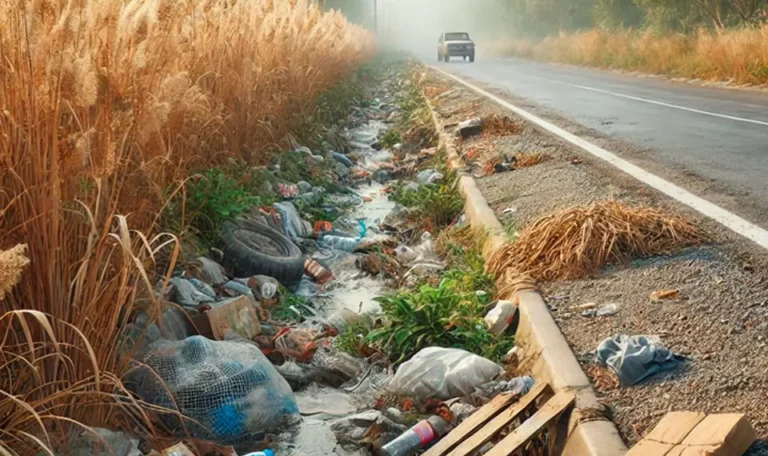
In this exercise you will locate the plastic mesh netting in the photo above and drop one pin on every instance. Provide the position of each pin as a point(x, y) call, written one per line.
point(230, 389)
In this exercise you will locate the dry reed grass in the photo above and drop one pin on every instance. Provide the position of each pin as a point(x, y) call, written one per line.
point(104, 105)
point(740, 55)
point(497, 125)
point(577, 242)
point(528, 159)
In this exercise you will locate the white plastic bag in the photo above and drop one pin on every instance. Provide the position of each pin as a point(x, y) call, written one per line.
point(443, 373)
point(500, 317)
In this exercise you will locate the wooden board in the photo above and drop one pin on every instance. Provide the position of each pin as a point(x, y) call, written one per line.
point(497, 424)
point(472, 423)
point(532, 426)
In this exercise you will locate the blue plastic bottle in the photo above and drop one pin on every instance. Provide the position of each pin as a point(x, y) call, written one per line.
point(262, 453)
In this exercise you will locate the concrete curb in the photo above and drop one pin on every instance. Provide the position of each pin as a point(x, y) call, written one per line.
point(544, 350)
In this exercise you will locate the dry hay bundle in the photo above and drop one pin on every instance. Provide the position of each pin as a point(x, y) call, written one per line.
point(496, 125)
point(577, 242)
point(528, 159)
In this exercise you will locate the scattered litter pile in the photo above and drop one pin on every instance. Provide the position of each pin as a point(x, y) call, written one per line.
point(577, 242)
point(317, 316)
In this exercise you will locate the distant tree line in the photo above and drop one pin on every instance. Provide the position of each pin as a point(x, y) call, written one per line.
point(544, 17)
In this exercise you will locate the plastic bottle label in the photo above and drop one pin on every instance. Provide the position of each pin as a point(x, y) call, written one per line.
point(425, 432)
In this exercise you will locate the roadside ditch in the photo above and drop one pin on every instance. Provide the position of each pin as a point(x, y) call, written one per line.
point(675, 282)
point(328, 302)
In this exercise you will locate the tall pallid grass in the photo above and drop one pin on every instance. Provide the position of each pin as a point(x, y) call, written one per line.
point(104, 106)
point(738, 55)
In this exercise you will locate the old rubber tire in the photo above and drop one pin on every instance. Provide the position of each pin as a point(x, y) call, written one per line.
point(447, 58)
point(472, 58)
point(253, 248)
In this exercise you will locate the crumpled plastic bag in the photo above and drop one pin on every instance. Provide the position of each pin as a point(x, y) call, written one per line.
point(443, 373)
point(293, 226)
point(429, 176)
point(635, 358)
point(187, 295)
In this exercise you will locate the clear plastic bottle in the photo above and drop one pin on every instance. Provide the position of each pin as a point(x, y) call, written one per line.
point(419, 436)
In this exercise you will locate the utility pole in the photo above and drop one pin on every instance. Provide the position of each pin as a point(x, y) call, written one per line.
point(376, 16)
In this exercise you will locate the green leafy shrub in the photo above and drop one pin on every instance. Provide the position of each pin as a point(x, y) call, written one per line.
point(448, 315)
point(437, 204)
point(213, 199)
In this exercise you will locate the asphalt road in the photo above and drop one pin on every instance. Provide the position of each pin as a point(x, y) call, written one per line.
point(720, 135)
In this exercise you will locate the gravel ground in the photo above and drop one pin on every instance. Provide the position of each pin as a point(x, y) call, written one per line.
point(719, 323)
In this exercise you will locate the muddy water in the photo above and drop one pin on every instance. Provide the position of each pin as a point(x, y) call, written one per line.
point(352, 290)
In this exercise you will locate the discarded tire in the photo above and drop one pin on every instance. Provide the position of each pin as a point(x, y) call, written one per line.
point(256, 249)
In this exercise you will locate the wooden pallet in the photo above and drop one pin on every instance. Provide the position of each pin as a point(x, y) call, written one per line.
point(491, 419)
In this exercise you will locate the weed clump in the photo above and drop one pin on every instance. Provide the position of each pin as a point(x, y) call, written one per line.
point(577, 242)
point(436, 205)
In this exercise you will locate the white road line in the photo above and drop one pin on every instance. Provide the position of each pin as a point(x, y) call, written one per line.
point(720, 215)
point(659, 103)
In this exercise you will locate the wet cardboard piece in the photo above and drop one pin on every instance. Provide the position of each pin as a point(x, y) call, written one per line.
point(237, 315)
point(695, 434)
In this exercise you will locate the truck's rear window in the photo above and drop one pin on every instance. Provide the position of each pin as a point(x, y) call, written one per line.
point(456, 36)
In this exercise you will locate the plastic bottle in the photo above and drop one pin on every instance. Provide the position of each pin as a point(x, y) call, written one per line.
point(419, 436)
point(262, 453)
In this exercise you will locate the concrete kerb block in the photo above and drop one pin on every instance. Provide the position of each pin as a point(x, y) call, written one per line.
point(545, 349)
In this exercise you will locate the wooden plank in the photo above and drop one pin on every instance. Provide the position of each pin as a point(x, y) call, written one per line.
point(479, 418)
point(497, 424)
point(532, 426)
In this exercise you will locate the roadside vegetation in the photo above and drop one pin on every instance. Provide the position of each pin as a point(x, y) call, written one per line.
point(108, 112)
point(724, 40)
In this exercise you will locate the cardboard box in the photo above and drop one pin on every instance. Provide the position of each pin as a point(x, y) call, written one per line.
point(695, 434)
point(237, 315)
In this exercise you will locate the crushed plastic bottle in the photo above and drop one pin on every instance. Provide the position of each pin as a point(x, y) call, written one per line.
point(421, 435)
point(339, 243)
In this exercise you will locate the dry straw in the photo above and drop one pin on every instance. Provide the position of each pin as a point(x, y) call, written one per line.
point(104, 106)
point(577, 242)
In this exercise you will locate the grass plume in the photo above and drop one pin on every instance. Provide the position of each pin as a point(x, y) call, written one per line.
point(104, 106)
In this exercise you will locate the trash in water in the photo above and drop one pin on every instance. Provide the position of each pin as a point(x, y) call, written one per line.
point(354, 429)
point(370, 263)
point(317, 271)
point(316, 400)
point(443, 373)
point(339, 243)
point(635, 358)
point(419, 436)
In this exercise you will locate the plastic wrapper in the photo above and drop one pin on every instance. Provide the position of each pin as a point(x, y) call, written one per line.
point(443, 373)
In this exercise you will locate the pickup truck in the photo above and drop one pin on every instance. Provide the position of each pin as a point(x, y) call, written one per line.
point(455, 44)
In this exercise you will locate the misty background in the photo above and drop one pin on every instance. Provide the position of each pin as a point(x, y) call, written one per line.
point(417, 24)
